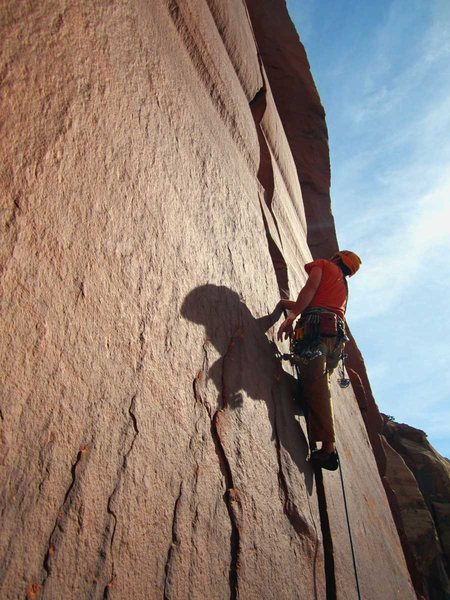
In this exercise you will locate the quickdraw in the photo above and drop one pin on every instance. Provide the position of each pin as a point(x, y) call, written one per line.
point(343, 381)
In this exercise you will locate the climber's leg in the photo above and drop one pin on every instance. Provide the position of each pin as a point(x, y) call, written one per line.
point(316, 393)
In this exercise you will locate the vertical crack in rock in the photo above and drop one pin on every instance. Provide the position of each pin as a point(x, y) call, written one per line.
point(197, 448)
point(81, 292)
point(133, 418)
point(290, 509)
point(142, 340)
point(58, 528)
point(229, 47)
point(111, 543)
point(109, 506)
point(172, 548)
point(199, 382)
point(208, 73)
point(231, 496)
point(209, 76)
point(258, 125)
point(10, 227)
point(111, 527)
point(11, 220)
point(316, 545)
point(44, 478)
point(330, 577)
point(305, 128)
point(234, 508)
point(266, 178)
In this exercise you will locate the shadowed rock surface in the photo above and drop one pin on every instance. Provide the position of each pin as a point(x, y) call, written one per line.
point(152, 214)
point(421, 478)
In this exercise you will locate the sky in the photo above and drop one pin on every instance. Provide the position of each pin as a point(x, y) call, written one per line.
point(382, 70)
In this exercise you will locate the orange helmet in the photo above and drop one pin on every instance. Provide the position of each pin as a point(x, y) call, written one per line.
point(350, 260)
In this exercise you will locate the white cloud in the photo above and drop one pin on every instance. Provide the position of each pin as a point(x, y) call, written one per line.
point(403, 53)
point(436, 42)
point(396, 263)
point(391, 190)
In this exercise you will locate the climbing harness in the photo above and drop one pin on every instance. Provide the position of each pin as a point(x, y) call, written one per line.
point(305, 342)
point(313, 325)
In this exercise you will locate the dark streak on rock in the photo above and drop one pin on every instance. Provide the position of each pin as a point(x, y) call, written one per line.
point(233, 503)
point(173, 546)
point(13, 217)
point(131, 409)
point(330, 577)
point(61, 514)
point(44, 479)
point(231, 496)
point(316, 546)
point(228, 498)
point(208, 74)
point(11, 236)
point(225, 40)
point(265, 177)
point(142, 340)
point(110, 529)
point(290, 509)
point(5, 71)
point(114, 517)
point(199, 381)
point(111, 498)
point(81, 293)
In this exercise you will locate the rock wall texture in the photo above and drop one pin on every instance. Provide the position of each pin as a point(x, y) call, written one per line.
point(152, 214)
point(288, 72)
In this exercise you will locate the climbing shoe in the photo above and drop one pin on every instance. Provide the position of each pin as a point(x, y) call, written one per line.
point(325, 460)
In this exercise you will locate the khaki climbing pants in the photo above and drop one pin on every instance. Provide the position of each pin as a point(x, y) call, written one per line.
point(315, 380)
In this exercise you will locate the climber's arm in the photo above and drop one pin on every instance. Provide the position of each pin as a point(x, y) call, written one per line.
point(303, 301)
point(306, 293)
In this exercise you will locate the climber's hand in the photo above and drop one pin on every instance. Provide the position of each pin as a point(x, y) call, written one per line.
point(286, 327)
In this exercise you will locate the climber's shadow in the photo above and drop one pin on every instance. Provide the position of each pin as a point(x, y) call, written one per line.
point(249, 366)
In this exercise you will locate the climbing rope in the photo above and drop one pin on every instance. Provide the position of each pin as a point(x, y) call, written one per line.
point(349, 528)
point(343, 382)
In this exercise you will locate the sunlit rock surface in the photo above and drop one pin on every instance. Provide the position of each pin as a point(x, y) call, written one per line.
point(302, 114)
point(152, 214)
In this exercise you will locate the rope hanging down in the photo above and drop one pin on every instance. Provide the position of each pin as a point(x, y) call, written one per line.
point(343, 383)
point(349, 529)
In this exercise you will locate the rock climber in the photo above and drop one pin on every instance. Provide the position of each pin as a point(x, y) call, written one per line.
point(317, 343)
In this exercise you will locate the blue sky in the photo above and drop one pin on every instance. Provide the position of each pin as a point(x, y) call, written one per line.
point(382, 70)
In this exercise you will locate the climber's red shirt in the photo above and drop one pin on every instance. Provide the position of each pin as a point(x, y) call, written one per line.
point(332, 291)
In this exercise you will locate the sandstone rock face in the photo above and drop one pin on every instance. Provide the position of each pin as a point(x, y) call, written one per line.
point(421, 479)
point(288, 72)
point(152, 214)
